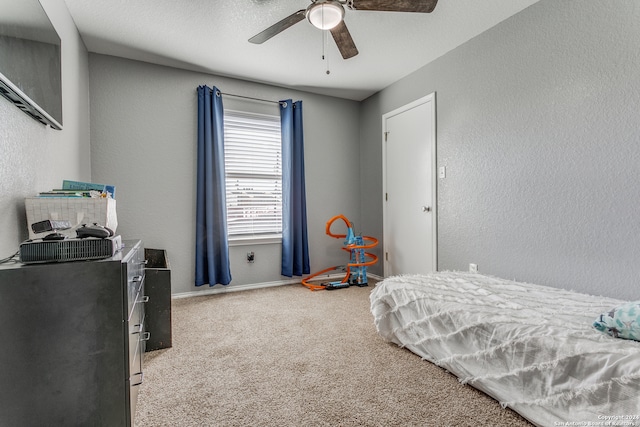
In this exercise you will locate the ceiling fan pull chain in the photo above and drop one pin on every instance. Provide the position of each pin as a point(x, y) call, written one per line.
point(324, 41)
point(325, 55)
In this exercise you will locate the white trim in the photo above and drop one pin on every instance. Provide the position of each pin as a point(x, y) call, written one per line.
point(235, 288)
point(434, 198)
point(247, 287)
point(254, 240)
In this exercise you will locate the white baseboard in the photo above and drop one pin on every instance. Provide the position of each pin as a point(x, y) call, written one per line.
point(234, 288)
point(249, 286)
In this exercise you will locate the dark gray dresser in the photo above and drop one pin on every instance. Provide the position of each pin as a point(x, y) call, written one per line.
point(72, 341)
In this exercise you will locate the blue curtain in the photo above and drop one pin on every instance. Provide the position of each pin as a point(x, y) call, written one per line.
point(212, 246)
point(295, 245)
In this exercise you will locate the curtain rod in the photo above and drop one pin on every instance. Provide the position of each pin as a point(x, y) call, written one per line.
point(254, 99)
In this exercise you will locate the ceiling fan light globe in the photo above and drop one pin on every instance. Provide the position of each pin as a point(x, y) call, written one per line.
point(325, 15)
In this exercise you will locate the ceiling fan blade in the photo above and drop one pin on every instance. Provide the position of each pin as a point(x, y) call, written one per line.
point(278, 27)
point(424, 6)
point(342, 37)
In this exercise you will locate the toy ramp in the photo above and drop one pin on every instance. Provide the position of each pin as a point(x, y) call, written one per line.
point(356, 269)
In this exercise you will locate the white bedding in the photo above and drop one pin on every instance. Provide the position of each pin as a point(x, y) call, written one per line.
point(532, 348)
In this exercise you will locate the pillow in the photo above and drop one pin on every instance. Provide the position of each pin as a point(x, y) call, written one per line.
point(621, 322)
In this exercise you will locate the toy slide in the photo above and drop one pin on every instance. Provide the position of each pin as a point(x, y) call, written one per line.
point(356, 268)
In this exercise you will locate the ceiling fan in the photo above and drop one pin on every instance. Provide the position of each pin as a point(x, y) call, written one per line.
point(329, 15)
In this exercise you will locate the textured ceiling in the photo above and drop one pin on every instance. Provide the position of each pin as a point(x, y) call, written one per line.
point(211, 36)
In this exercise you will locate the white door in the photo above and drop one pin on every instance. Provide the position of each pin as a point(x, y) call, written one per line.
point(409, 162)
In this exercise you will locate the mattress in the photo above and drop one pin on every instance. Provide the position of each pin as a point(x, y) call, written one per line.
point(533, 348)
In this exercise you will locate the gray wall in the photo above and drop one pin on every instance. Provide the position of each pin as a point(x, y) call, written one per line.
point(143, 140)
point(36, 158)
point(538, 126)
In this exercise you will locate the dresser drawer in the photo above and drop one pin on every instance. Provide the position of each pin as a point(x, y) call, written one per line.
point(137, 336)
point(134, 295)
point(136, 353)
point(136, 263)
point(133, 383)
point(137, 340)
point(135, 279)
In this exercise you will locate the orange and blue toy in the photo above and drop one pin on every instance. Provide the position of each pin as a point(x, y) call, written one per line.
point(356, 268)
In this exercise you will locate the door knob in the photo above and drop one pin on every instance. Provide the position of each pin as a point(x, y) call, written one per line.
point(426, 209)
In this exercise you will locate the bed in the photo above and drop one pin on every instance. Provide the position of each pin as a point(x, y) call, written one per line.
point(533, 348)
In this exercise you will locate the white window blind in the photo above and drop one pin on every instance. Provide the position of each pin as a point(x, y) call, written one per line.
point(253, 162)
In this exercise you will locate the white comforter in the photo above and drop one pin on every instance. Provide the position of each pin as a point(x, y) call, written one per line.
point(533, 348)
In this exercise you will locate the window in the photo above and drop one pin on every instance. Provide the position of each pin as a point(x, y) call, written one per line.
point(253, 163)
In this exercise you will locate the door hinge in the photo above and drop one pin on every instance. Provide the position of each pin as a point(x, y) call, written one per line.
point(386, 196)
point(386, 256)
point(386, 134)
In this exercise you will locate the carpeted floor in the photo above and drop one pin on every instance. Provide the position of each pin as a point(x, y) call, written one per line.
point(286, 356)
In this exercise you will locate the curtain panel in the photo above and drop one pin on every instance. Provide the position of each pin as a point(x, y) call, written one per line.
point(295, 246)
point(212, 246)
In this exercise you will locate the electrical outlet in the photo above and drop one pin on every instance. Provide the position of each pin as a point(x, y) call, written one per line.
point(473, 268)
point(251, 257)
